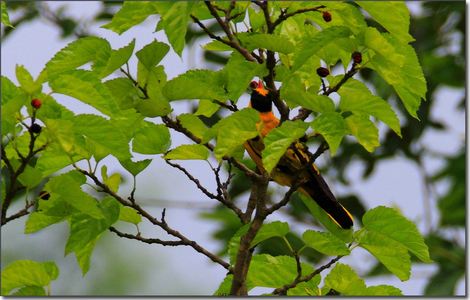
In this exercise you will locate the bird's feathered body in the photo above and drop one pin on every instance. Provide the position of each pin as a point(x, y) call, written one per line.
point(293, 161)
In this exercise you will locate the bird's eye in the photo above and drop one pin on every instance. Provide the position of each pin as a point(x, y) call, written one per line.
point(253, 85)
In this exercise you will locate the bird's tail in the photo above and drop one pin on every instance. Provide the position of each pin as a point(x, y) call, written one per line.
point(318, 190)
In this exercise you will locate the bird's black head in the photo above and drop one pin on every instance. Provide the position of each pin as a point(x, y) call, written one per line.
point(260, 97)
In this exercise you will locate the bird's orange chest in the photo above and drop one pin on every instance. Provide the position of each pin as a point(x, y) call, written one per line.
point(268, 122)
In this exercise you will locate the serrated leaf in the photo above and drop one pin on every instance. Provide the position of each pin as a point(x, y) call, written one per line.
point(206, 108)
point(225, 286)
point(364, 130)
point(38, 220)
point(343, 279)
point(390, 253)
point(196, 84)
point(311, 44)
point(151, 54)
point(157, 104)
point(239, 72)
point(309, 288)
point(279, 139)
point(269, 230)
point(22, 273)
point(151, 139)
point(174, 20)
point(193, 124)
point(267, 41)
point(76, 54)
point(390, 223)
point(30, 291)
point(130, 215)
point(383, 290)
point(293, 92)
point(86, 87)
point(235, 130)
point(357, 98)
point(13, 98)
point(131, 14)
point(30, 177)
point(125, 93)
point(234, 243)
point(101, 137)
point(26, 81)
point(397, 23)
point(332, 127)
point(319, 214)
point(217, 46)
point(117, 58)
point(273, 271)
point(83, 256)
point(135, 167)
point(188, 152)
point(5, 17)
point(325, 243)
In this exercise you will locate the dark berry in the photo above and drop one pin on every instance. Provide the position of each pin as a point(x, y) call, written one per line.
point(323, 72)
point(357, 57)
point(326, 16)
point(35, 128)
point(44, 195)
point(36, 103)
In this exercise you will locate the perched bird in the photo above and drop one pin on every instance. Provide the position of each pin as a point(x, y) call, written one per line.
point(293, 161)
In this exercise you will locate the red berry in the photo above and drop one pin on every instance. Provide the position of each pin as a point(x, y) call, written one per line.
point(36, 103)
point(44, 195)
point(357, 57)
point(35, 128)
point(326, 16)
point(323, 72)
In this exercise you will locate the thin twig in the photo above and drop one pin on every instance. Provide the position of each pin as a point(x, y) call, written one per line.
point(146, 240)
point(284, 15)
point(20, 213)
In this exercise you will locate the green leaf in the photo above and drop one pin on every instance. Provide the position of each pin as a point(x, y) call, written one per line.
point(273, 271)
point(67, 188)
point(293, 92)
point(234, 243)
point(193, 124)
point(38, 220)
point(269, 230)
point(101, 136)
point(25, 273)
point(86, 87)
point(397, 23)
point(279, 139)
point(125, 93)
point(130, 215)
point(364, 130)
point(319, 214)
point(151, 139)
point(343, 279)
point(267, 41)
point(26, 81)
point(311, 44)
point(135, 167)
point(325, 243)
point(188, 152)
point(131, 14)
point(206, 108)
point(117, 59)
point(235, 130)
point(112, 181)
point(332, 127)
point(83, 255)
point(390, 253)
point(357, 98)
point(76, 54)
point(309, 288)
point(151, 54)
point(30, 291)
point(174, 20)
point(13, 99)
point(30, 177)
point(157, 104)
point(225, 286)
point(383, 290)
point(389, 222)
point(239, 72)
point(217, 46)
point(5, 17)
point(196, 84)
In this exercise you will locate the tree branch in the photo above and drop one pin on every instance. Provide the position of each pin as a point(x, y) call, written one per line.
point(284, 15)
point(146, 240)
point(283, 290)
point(20, 213)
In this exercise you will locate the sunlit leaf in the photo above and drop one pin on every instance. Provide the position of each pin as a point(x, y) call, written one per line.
point(188, 152)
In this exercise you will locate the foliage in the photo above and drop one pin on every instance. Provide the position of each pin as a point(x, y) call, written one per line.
point(283, 45)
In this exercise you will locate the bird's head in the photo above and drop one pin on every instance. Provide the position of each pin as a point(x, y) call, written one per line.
point(260, 97)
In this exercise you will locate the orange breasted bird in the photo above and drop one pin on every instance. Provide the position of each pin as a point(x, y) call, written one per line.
point(289, 166)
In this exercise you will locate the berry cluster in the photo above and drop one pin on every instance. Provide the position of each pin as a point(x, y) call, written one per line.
point(36, 128)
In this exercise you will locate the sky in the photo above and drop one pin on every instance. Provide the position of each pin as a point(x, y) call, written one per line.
point(32, 45)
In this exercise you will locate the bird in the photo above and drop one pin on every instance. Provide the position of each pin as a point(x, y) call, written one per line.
point(292, 164)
